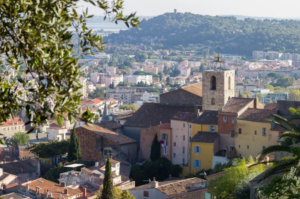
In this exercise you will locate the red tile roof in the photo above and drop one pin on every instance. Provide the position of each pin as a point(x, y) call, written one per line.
point(257, 115)
point(12, 121)
point(108, 134)
point(52, 187)
point(235, 104)
point(184, 116)
point(271, 106)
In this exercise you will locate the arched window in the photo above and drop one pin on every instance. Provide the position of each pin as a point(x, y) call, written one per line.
point(213, 101)
point(228, 98)
point(213, 83)
point(229, 83)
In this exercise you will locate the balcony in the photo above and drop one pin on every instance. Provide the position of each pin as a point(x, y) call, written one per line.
point(227, 154)
point(279, 139)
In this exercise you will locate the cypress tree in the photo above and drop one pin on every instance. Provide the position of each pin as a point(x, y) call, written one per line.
point(108, 189)
point(155, 149)
point(74, 148)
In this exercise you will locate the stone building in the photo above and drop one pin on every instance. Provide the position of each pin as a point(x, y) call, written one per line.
point(218, 88)
point(94, 139)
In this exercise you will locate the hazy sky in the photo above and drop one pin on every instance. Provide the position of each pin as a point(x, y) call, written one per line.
point(258, 8)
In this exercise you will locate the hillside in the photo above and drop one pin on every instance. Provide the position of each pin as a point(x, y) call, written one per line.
point(232, 35)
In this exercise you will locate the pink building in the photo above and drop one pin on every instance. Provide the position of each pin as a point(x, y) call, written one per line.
point(151, 70)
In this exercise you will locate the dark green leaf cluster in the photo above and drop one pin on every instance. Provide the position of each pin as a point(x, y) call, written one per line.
point(178, 30)
point(74, 152)
point(36, 39)
point(155, 149)
point(51, 149)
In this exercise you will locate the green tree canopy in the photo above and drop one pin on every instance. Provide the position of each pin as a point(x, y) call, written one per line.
point(285, 81)
point(108, 189)
point(129, 107)
point(98, 93)
point(36, 43)
point(19, 138)
point(51, 149)
point(74, 152)
point(155, 149)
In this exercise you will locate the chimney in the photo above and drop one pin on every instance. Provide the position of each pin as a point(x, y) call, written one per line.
point(96, 164)
point(63, 184)
point(84, 192)
point(256, 100)
point(27, 188)
point(66, 191)
point(154, 184)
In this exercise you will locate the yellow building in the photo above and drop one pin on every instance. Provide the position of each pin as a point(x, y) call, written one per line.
point(206, 122)
point(253, 132)
point(203, 147)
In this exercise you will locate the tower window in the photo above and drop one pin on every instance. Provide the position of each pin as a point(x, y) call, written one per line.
point(213, 83)
point(213, 102)
point(229, 83)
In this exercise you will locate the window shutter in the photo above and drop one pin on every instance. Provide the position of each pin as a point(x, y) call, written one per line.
point(195, 164)
point(199, 149)
point(199, 163)
point(167, 136)
point(209, 128)
point(195, 149)
point(215, 128)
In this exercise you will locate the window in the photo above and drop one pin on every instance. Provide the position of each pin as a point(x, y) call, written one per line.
point(6, 149)
point(212, 129)
point(183, 149)
point(19, 127)
point(255, 132)
point(224, 118)
point(213, 102)
point(165, 150)
point(197, 164)
point(240, 131)
point(232, 119)
point(197, 149)
point(174, 144)
point(239, 146)
point(183, 137)
point(247, 146)
point(174, 155)
point(213, 83)
point(30, 174)
point(183, 160)
point(229, 83)
point(146, 193)
point(190, 126)
point(4, 129)
point(264, 132)
point(183, 124)
point(264, 147)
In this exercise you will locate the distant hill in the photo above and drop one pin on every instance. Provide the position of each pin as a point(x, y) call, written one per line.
point(232, 35)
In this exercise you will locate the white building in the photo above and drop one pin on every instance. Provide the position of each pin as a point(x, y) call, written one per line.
point(256, 91)
point(111, 70)
point(83, 90)
point(134, 79)
point(109, 79)
point(56, 132)
point(186, 71)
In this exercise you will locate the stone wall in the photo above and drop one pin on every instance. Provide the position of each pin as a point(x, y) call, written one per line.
point(223, 91)
point(284, 105)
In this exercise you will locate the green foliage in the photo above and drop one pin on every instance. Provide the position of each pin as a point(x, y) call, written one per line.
point(127, 195)
point(230, 184)
point(160, 169)
point(98, 93)
point(285, 81)
point(74, 152)
point(51, 149)
point(107, 192)
point(155, 91)
point(212, 31)
point(142, 84)
point(112, 85)
point(36, 35)
point(155, 149)
point(282, 187)
point(19, 138)
point(129, 107)
point(245, 94)
point(273, 75)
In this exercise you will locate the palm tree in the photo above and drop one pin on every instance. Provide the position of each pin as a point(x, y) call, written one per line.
point(293, 132)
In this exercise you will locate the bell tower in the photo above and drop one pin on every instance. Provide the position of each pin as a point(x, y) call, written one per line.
point(218, 87)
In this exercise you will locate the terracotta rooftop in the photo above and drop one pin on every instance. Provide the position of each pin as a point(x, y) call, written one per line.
point(24, 153)
point(235, 104)
point(87, 101)
point(18, 167)
point(207, 117)
point(90, 189)
point(111, 125)
point(179, 187)
point(124, 117)
point(257, 115)
point(195, 89)
point(55, 126)
point(12, 121)
point(205, 137)
point(184, 116)
point(271, 106)
point(113, 136)
point(43, 185)
point(8, 154)
point(97, 101)
point(148, 186)
point(14, 195)
point(152, 114)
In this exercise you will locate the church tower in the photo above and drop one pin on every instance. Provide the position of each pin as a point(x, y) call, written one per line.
point(217, 88)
